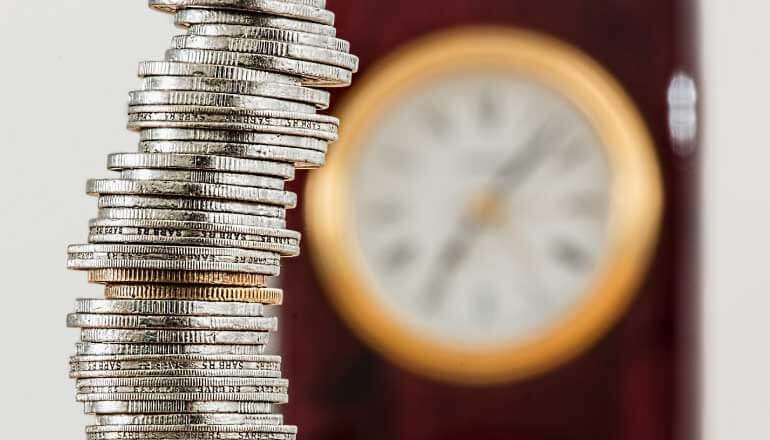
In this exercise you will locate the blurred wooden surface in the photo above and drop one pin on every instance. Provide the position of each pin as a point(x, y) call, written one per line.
point(637, 383)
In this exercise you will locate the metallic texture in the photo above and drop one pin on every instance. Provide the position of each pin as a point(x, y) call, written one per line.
point(194, 223)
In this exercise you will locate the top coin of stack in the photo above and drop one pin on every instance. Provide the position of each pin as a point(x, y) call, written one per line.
point(189, 231)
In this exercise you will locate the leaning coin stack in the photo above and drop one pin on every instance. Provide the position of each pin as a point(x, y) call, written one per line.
point(189, 231)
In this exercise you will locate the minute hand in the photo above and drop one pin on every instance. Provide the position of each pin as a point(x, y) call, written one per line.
point(506, 179)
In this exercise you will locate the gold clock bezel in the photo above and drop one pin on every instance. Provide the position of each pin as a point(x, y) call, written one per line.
point(636, 199)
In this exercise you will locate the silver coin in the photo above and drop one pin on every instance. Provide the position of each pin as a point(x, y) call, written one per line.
point(268, 121)
point(212, 397)
point(208, 99)
point(211, 177)
point(316, 97)
point(171, 421)
point(281, 140)
point(176, 407)
point(281, 384)
point(162, 215)
point(213, 228)
point(270, 7)
point(295, 127)
point(178, 389)
point(173, 372)
point(98, 187)
point(266, 244)
point(167, 307)
point(263, 424)
point(270, 33)
point(303, 52)
point(315, 74)
point(166, 68)
point(194, 435)
point(102, 349)
point(191, 17)
point(148, 227)
point(124, 336)
point(186, 258)
point(284, 244)
point(298, 156)
point(122, 161)
point(312, 3)
point(245, 323)
point(187, 361)
point(184, 385)
point(129, 201)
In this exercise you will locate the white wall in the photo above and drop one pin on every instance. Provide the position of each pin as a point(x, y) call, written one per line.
point(736, 37)
point(63, 108)
point(65, 69)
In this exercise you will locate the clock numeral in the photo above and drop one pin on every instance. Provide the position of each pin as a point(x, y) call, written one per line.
point(571, 255)
point(437, 120)
point(399, 255)
point(489, 108)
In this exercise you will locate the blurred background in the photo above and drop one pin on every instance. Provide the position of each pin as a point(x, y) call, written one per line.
point(544, 220)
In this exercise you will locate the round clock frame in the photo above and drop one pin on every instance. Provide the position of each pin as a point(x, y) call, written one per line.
point(636, 200)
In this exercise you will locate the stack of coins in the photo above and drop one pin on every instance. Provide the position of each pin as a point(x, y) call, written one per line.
point(193, 225)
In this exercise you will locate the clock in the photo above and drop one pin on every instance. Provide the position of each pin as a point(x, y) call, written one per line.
point(490, 208)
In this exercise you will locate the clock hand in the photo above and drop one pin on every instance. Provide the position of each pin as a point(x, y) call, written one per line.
point(506, 179)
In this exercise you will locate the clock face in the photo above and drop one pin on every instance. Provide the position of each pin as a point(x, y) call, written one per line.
point(481, 207)
point(490, 208)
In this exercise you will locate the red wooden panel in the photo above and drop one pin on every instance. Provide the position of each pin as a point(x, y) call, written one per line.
point(636, 384)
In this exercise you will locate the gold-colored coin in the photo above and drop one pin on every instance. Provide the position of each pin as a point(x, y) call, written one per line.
point(152, 276)
point(260, 295)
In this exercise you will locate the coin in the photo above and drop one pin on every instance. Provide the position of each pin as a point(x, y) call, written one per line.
point(295, 124)
point(284, 245)
point(177, 215)
point(162, 385)
point(123, 161)
point(315, 73)
point(255, 433)
point(270, 33)
point(319, 98)
point(239, 137)
point(102, 349)
point(299, 156)
point(332, 57)
point(167, 307)
point(269, 7)
point(261, 423)
point(123, 336)
point(84, 320)
point(182, 258)
point(118, 275)
point(182, 361)
point(167, 68)
point(172, 421)
point(201, 293)
point(186, 97)
point(171, 407)
point(210, 177)
point(99, 187)
point(186, 204)
point(191, 16)
point(173, 372)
